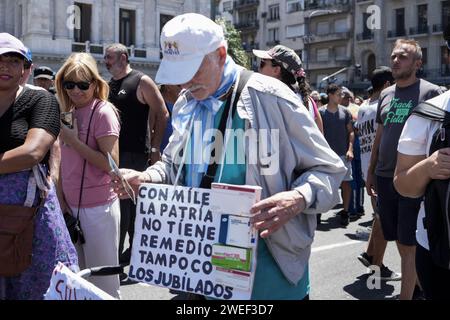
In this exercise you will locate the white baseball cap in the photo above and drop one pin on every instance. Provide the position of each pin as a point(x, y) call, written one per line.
point(10, 44)
point(185, 41)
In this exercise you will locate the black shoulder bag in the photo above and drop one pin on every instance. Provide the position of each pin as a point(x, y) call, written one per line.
point(437, 193)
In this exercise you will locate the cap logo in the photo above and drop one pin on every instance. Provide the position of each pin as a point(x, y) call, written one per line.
point(171, 48)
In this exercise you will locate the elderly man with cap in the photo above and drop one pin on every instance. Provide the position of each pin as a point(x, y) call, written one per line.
point(300, 176)
point(284, 64)
point(44, 77)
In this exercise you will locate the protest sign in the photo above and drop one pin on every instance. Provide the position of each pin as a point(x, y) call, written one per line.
point(175, 231)
point(66, 285)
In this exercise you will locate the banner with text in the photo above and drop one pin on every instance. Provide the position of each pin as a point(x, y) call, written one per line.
point(66, 285)
point(176, 229)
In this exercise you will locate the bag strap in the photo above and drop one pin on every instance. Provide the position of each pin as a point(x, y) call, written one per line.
point(85, 161)
point(431, 112)
point(244, 76)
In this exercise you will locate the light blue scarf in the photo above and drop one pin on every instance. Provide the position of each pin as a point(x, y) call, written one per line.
point(203, 112)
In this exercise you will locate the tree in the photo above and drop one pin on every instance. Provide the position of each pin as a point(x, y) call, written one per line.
point(235, 49)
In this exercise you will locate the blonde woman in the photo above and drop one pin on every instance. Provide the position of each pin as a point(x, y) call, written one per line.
point(85, 169)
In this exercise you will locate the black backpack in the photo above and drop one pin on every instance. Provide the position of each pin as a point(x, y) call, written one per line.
point(437, 194)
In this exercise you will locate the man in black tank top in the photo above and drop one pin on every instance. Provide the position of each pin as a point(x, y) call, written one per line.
point(143, 116)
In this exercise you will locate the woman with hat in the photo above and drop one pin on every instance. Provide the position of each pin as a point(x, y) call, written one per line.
point(29, 125)
point(284, 64)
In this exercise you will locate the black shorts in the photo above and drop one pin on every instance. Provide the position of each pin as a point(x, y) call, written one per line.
point(398, 214)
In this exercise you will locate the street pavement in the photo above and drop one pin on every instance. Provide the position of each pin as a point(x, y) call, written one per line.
point(335, 271)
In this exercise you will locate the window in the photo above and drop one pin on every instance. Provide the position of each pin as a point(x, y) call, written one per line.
point(400, 22)
point(83, 34)
point(163, 19)
point(422, 73)
point(366, 17)
point(323, 28)
point(445, 14)
point(274, 12)
point(424, 56)
point(295, 31)
point(340, 26)
point(340, 52)
point(127, 35)
point(273, 35)
point(422, 18)
point(248, 17)
point(295, 5)
point(322, 55)
point(228, 6)
point(445, 61)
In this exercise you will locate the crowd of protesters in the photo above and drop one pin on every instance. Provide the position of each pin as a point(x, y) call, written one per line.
point(333, 145)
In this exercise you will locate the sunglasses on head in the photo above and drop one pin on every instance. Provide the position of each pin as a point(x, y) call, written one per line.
point(82, 85)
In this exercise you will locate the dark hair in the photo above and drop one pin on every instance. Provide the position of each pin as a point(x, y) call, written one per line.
point(119, 49)
point(303, 86)
point(324, 99)
point(380, 76)
point(333, 88)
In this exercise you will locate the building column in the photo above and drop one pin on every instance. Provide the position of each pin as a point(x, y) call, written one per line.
point(96, 22)
point(380, 38)
point(38, 18)
point(140, 25)
point(108, 25)
point(150, 34)
point(151, 30)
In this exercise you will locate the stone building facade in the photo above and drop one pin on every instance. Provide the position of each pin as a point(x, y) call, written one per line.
point(53, 29)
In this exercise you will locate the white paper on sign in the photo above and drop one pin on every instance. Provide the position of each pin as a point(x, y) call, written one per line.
point(66, 285)
point(175, 230)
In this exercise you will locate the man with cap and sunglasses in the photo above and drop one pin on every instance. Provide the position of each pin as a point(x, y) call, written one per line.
point(302, 173)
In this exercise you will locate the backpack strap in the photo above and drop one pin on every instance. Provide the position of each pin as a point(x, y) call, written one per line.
point(431, 112)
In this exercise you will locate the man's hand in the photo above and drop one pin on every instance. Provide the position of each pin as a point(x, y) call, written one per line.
point(439, 164)
point(272, 213)
point(134, 178)
point(349, 155)
point(154, 157)
point(371, 185)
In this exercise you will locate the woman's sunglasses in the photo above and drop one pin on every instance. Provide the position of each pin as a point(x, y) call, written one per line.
point(70, 85)
point(263, 63)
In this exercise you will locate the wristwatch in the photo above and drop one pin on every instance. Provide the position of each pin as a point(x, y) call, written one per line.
point(154, 150)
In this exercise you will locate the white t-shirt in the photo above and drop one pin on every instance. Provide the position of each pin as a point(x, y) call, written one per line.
point(367, 129)
point(415, 141)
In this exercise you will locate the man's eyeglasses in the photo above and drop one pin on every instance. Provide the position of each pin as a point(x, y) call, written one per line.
point(70, 85)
